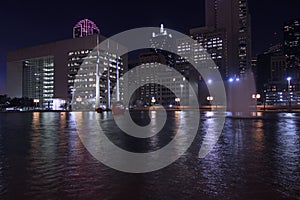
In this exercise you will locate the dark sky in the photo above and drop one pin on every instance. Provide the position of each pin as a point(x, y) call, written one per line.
point(26, 23)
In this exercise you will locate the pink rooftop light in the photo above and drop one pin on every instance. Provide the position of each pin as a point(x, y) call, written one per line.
point(84, 28)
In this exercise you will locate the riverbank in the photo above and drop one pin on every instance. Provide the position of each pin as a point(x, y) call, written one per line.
point(260, 108)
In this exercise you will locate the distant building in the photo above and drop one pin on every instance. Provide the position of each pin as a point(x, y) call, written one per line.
point(278, 63)
point(292, 49)
point(165, 81)
point(211, 41)
point(278, 72)
point(84, 28)
point(161, 40)
point(208, 44)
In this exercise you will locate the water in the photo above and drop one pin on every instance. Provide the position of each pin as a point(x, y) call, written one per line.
point(42, 157)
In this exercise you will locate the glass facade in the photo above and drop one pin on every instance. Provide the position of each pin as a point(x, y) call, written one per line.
point(206, 45)
point(82, 77)
point(38, 80)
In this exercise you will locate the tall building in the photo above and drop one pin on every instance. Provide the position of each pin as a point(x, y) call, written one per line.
point(292, 37)
point(292, 49)
point(162, 39)
point(38, 79)
point(234, 18)
point(47, 72)
point(208, 44)
point(278, 68)
point(214, 42)
point(84, 28)
point(84, 86)
point(165, 81)
point(161, 42)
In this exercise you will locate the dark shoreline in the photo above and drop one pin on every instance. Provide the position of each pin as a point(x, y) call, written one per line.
point(204, 108)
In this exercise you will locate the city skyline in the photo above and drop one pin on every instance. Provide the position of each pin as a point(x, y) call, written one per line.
point(34, 24)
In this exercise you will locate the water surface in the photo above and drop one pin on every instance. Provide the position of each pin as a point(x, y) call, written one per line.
point(42, 157)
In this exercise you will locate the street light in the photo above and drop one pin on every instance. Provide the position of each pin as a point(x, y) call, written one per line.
point(181, 88)
point(288, 92)
point(234, 79)
point(210, 99)
point(289, 82)
point(73, 94)
point(79, 99)
point(265, 99)
point(177, 100)
point(256, 96)
point(153, 100)
point(36, 101)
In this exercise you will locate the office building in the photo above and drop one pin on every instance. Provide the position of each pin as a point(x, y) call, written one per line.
point(48, 72)
point(233, 17)
point(86, 82)
point(163, 82)
point(278, 74)
point(291, 46)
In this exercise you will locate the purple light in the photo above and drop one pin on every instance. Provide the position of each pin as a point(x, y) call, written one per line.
point(231, 80)
point(84, 28)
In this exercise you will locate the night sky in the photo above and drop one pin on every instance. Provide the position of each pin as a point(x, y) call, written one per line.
point(27, 23)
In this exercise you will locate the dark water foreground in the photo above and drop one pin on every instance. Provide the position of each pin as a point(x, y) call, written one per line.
point(42, 157)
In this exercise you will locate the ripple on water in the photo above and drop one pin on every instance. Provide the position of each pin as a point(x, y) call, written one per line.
point(42, 157)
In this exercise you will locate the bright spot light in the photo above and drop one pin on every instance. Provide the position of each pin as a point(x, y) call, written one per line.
point(231, 80)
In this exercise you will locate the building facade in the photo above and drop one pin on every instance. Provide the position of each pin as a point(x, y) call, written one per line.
point(278, 75)
point(38, 79)
point(158, 85)
point(208, 44)
point(83, 86)
point(291, 44)
point(47, 72)
point(233, 17)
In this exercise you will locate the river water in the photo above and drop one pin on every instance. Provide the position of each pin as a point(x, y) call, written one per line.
point(42, 157)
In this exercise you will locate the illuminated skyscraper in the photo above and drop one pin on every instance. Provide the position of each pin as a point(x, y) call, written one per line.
point(292, 37)
point(292, 46)
point(161, 39)
point(233, 17)
point(84, 28)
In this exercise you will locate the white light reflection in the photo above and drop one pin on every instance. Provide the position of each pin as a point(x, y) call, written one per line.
point(287, 148)
point(211, 126)
point(209, 114)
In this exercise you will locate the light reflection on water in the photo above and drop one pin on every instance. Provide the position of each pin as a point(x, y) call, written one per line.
point(41, 156)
